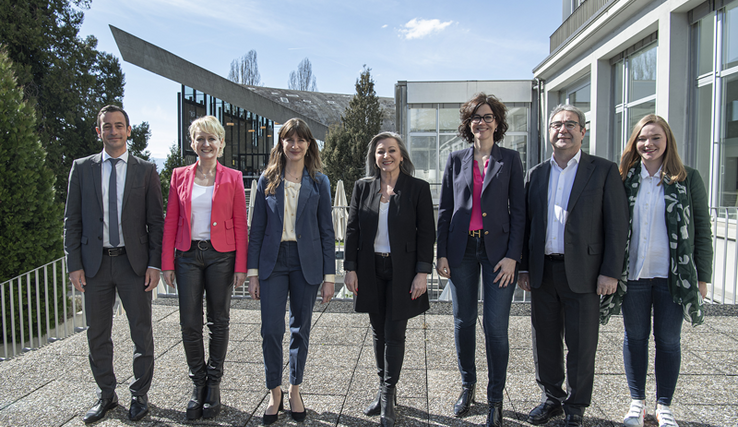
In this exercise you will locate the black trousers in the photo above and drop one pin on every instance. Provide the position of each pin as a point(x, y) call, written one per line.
point(558, 314)
point(116, 274)
point(389, 335)
point(200, 270)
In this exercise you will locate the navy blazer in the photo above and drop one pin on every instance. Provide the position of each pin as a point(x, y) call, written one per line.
point(503, 205)
point(411, 235)
point(596, 226)
point(316, 244)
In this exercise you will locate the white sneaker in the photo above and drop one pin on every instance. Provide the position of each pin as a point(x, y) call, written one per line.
point(634, 417)
point(665, 417)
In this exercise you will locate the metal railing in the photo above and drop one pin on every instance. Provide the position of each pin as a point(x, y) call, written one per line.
point(581, 16)
point(42, 306)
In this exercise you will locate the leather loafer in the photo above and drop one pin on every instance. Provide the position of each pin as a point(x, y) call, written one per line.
point(465, 400)
point(98, 411)
point(573, 421)
point(542, 413)
point(494, 416)
point(139, 408)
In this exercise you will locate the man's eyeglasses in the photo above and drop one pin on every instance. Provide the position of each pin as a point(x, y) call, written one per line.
point(488, 118)
point(570, 125)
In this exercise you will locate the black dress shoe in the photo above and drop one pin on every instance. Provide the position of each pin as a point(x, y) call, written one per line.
point(98, 411)
point(299, 416)
point(211, 406)
point(139, 408)
point(573, 421)
point(542, 413)
point(465, 400)
point(494, 416)
point(375, 408)
point(194, 406)
point(271, 419)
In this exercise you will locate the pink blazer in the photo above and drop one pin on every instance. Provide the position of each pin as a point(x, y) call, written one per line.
point(228, 229)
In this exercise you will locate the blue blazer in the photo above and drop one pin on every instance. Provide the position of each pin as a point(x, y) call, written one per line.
point(503, 205)
point(316, 244)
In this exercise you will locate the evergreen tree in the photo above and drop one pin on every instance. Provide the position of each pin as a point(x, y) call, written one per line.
point(30, 229)
point(65, 77)
point(344, 154)
point(139, 140)
point(174, 160)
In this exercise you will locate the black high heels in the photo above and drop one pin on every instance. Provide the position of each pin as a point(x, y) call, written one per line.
point(270, 419)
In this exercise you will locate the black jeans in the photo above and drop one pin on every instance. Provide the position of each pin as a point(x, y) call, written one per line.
point(200, 270)
point(389, 335)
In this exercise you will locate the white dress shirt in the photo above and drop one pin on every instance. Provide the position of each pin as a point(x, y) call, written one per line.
point(120, 178)
point(649, 243)
point(560, 182)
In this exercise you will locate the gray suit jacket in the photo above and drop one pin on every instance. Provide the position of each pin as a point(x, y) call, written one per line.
point(142, 218)
point(596, 227)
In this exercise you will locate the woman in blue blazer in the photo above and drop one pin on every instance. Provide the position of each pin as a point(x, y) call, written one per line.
point(291, 252)
point(481, 222)
point(389, 253)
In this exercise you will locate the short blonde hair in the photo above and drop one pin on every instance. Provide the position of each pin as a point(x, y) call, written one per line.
point(211, 125)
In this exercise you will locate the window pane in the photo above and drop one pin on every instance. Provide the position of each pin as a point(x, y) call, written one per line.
point(642, 74)
point(580, 98)
point(619, 143)
point(618, 79)
point(729, 144)
point(422, 120)
point(585, 141)
point(636, 113)
point(518, 143)
point(705, 30)
point(730, 36)
point(424, 157)
point(517, 119)
point(448, 119)
point(702, 144)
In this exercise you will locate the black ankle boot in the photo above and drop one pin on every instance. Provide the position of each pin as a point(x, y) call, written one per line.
point(387, 410)
point(494, 416)
point(374, 408)
point(194, 406)
point(211, 407)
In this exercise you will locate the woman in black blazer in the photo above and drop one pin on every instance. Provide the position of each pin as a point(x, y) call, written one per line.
point(389, 253)
point(481, 222)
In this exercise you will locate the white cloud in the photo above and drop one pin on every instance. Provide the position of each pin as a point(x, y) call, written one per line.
point(384, 26)
point(419, 28)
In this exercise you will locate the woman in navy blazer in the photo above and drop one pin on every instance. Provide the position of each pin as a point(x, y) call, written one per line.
point(389, 253)
point(205, 244)
point(291, 251)
point(481, 221)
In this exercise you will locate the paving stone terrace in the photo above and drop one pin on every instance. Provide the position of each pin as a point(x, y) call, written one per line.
point(53, 386)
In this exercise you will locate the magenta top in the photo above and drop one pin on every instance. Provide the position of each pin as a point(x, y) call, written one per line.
point(476, 215)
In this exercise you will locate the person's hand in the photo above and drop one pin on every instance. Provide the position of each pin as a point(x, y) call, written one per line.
point(78, 279)
point(238, 279)
point(524, 281)
point(606, 285)
point(352, 282)
point(152, 279)
point(442, 268)
point(254, 287)
point(506, 266)
point(329, 288)
point(703, 289)
point(419, 286)
point(168, 276)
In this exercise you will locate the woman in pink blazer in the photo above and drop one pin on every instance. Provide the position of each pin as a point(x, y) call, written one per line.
point(205, 246)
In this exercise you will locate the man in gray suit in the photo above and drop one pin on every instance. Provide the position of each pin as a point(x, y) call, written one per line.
point(576, 229)
point(113, 226)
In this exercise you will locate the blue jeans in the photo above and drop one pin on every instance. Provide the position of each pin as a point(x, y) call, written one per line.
point(496, 316)
point(667, 329)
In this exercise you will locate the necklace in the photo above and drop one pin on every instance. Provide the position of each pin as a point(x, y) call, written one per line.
point(293, 178)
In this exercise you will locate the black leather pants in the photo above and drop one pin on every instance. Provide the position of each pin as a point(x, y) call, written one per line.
point(200, 270)
point(389, 335)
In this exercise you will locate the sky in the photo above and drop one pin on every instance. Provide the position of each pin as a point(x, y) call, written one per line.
point(409, 40)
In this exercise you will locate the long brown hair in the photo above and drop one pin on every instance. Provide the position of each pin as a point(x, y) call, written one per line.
point(672, 166)
point(277, 158)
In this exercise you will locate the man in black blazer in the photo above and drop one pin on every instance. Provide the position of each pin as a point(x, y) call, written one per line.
point(113, 226)
point(576, 230)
